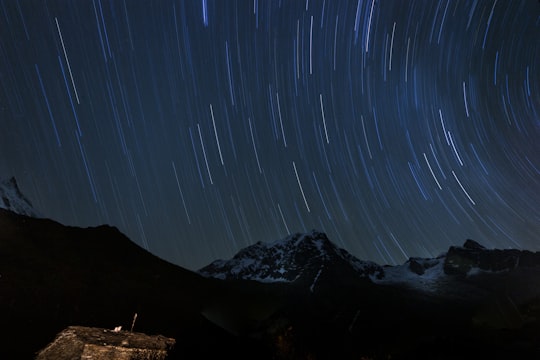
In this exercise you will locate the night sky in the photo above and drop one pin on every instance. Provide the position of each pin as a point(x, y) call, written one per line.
point(197, 128)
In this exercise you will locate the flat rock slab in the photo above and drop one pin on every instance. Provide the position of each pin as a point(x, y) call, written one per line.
point(79, 342)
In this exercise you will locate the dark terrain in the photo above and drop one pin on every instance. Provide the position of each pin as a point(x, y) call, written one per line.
point(53, 276)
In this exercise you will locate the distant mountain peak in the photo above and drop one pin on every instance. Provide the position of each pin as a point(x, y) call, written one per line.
point(12, 199)
point(300, 255)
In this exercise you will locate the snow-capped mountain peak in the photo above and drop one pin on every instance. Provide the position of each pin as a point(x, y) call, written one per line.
point(12, 199)
point(300, 255)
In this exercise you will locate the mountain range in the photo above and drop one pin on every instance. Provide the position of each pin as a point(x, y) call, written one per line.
point(301, 297)
point(310, 257)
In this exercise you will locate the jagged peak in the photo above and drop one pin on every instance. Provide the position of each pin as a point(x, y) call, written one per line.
point(11, 183)
point(12, 199)
point(309, 245)
point(300, 237)
point(312, 238)
point(473, 245)
point(288, 259)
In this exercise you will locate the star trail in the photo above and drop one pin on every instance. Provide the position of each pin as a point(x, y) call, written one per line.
point(197, 128)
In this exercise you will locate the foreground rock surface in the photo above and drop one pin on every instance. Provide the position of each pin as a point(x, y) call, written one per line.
point(79, 342)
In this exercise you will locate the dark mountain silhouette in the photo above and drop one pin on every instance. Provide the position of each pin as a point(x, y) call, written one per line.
point(297, 298)
point(53, 276)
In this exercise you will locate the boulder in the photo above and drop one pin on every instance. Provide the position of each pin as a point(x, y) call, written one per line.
point(79, 342)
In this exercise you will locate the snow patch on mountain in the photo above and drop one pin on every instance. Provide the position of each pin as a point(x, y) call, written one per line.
point(312, 287)
point(424, 274)
point(12, 199)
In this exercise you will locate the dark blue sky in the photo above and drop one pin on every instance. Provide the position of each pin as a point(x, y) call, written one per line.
point(199, 127)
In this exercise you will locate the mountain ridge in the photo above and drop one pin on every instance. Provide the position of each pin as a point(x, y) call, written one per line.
point(307, 256)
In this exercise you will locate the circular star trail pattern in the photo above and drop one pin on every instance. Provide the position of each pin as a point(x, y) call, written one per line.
point(197, 128)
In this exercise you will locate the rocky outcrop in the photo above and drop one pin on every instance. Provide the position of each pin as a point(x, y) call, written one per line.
point(78, 342)
point(461, 260)
point(420, 265)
